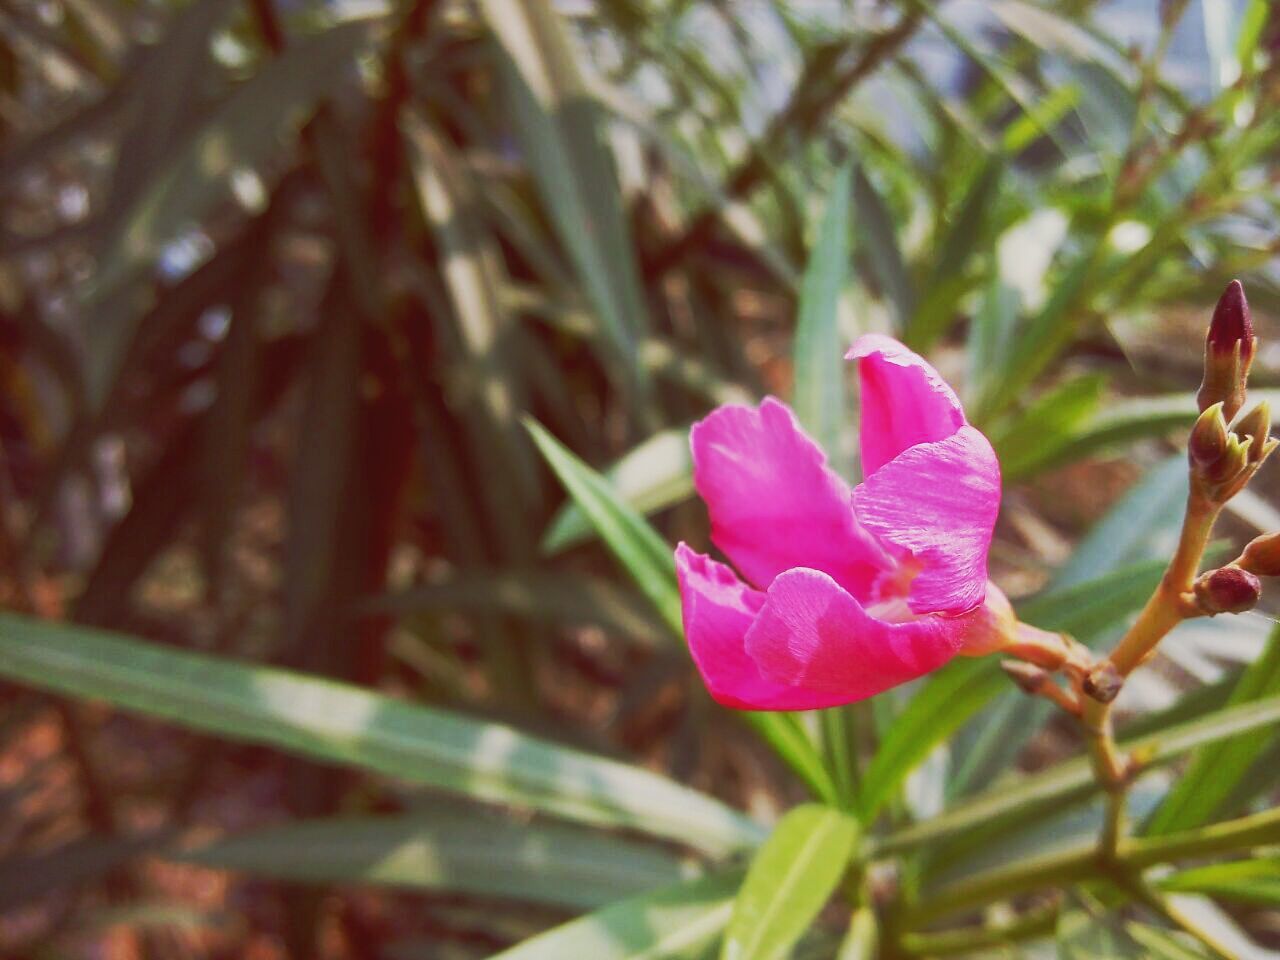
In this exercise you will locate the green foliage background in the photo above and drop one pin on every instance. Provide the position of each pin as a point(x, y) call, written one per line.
point(312, 315)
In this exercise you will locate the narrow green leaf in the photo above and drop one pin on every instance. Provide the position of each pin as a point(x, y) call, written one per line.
point(1036, 436)
point(651, 564)
point(25, 877)
point(878, 239)
point(1023, 799)
point(648, 559)
point(785, 734)
point(1084, 610)
point(451, 850)
point(818, 395)
point(342, 724)
point(1159, 944)
point(485, 378)
point(1142, 524)
point(990, 339)
point(947, 700)
point(1252, 23)
point(949, 275)
point(675, 923)
point(1241, 881)
point(242, 133)
point(560, 127)
point(862, 939)
point(1041, 339)
point(789, 881)
point(534, 594)
point(1213, 775)
point(655, 474)
point(1083, 934)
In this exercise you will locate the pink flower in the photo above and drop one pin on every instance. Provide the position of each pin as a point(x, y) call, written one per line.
point(846, 592)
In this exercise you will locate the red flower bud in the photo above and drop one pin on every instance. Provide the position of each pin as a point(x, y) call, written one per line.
point(1228, 352)
point(1232, 322)
point(1227, 590)
point(1262, 556)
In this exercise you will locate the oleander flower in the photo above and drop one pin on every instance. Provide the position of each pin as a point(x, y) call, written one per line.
point(843, 592)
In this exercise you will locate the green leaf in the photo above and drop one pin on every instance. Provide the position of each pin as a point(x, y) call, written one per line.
point(1038, 341)
point(990, 339)
point(1144, 523)
point(1084, 610)
point(533, 594)
point(560, 128)
point(879, 240)
point(342, 724)
point(66, 867)
point(1242, 881)
point(862, 939)
point(484, 378)
point(789, 881)
point(1084, 935)
point(654, 475)
point(948, 278)
point(1021, 799)
point(637, 546)
point(1252, 23)
point(1035, 437)
point(676, 923)
point(1213, 775)
point(818, 395)
point(1162, 945)
point(651, 564)
point(786, 735)
point(946, 701)
point(451, 850)
point(241, 133)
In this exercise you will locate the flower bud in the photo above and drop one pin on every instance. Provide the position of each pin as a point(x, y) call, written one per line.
point(1227, 590)
point(1208, 440)
point(1262, 556)
point(1256, 425)
point(1103, 682)
point(1228, 352)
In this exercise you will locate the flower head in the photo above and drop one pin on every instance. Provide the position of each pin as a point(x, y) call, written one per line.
point(844, 592)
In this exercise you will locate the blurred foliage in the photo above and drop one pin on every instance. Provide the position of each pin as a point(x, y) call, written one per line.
point(308, 313)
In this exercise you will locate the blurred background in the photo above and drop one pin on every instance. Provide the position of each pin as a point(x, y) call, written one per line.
point(279, 281)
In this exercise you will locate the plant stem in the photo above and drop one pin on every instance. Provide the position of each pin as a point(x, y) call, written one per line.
point(1145, 894)
point(1084, 862)
point(1035, 922)
point(1164, 610)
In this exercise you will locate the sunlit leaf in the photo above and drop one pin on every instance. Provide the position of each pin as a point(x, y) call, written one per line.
point(788, 882)
point(451, 850)
point(568, 598)
point(1213, 775)
point(655, 474)
point(1241, 881)
point(646, 557)
point(342, 724)
point(818, 395)
point(560, 127)
point(675, 923)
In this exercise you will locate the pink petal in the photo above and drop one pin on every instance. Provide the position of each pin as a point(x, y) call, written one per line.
point(811, 634)
point(939, 501)
point(773, 501)
point(904, 400)
point(718, 611)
